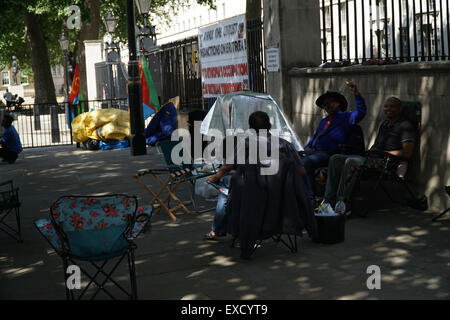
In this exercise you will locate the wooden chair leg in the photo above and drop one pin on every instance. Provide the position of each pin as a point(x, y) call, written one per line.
point(156, 197)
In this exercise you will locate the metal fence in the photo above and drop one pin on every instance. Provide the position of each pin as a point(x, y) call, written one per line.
point(400, 30)
point(43, 125)
point(257, 70)
point(180, 73)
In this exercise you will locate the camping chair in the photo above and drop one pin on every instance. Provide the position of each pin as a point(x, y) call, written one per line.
point(94, 230)
point(447, 189)
point(177, 174)
point(9, 202)
point(412, 112)
point(292, 245)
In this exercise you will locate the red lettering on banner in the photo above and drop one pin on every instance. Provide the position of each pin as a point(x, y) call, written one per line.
point(231, 70)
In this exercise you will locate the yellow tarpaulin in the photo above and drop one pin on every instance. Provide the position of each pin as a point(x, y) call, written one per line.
point(103, 124)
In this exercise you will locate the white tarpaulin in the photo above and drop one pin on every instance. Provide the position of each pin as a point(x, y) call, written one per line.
point(231, 111)
point(223, 57)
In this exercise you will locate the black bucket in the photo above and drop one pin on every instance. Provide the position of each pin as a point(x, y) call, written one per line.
point(330, 229)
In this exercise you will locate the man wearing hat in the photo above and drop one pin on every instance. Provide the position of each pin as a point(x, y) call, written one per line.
point(333, 131)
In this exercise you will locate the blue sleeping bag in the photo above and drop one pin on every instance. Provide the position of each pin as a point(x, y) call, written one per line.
point(162, 125)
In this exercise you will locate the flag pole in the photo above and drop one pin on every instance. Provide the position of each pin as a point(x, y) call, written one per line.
point(138, 146)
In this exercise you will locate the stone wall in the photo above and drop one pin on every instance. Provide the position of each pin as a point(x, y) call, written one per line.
point(428, 83)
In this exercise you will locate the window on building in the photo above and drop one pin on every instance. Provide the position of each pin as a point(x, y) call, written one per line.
point(195, 22)
point(5, 78)
point(200, 21)
point(223, 9)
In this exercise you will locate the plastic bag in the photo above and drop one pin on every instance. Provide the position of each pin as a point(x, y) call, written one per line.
point(325, 209)
point(204, 190)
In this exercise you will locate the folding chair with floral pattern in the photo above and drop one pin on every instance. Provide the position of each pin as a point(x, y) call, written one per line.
point(92, 230)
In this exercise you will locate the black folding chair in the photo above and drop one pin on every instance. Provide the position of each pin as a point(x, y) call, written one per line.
point(9, 203)
point(389, 172)
point(92, 231)
point(447, 189)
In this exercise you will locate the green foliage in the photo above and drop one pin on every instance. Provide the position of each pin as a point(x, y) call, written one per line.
point(52, 19)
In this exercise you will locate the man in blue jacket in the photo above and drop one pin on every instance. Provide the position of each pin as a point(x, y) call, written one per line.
point(10, 141)
point(333, 131)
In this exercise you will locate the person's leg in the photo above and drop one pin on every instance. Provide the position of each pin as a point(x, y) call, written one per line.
point(349, 176)
point(334, 173)
point(312, 161)
point(8, 155)
point(219, 226)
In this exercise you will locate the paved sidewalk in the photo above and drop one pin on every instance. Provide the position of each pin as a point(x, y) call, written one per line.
point(173, 262)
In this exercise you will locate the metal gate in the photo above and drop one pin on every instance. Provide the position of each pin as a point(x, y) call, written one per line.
point(44, 125)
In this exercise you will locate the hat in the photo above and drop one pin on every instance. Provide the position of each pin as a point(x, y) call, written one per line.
point(334, 95)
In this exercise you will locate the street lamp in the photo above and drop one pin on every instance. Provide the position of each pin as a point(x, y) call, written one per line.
point(64, 43)
point(138, 146)
point(110, 23)
point(143, 7)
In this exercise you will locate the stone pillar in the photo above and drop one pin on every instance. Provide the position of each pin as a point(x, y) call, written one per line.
point(293, 27)
point(94, 50)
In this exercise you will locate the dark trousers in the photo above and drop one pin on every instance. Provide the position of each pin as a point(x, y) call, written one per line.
point(8, 155)
point(312, 160)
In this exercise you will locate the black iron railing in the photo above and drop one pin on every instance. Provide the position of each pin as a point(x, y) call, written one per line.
point(181, 73)
point(48, 124)
point(396, 30)
point(255, 47)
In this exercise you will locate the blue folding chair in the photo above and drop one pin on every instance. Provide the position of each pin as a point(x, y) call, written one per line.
point(95, 230)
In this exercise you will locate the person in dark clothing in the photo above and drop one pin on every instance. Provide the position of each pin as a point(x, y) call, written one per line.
point(10, 141)
point(333, 130)
point(396, 136)
point(257, 121)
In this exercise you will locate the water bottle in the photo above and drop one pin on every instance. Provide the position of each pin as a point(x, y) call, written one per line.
point(340, 206)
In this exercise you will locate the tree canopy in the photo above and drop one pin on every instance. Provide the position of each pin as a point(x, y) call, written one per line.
point(51, 17)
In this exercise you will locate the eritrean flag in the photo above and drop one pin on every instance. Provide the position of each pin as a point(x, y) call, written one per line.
point(76, 95)
point(150, 100)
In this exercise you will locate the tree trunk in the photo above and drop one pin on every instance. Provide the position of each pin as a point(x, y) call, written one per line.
point(44, 87)
point(89, 31)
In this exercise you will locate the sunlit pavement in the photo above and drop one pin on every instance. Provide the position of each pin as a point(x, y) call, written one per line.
point(173, 261)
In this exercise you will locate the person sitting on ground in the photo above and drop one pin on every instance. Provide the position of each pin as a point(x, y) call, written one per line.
point(258, 120)
point(333, 131)
point(10, 141)
point(396, 136)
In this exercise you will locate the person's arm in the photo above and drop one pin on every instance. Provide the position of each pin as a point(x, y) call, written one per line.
point(406, 152)
point(223, 171)
point(361, 109)
point(319, 128)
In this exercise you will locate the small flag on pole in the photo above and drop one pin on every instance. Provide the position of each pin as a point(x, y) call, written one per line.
point(150, 99)
point(75, 93)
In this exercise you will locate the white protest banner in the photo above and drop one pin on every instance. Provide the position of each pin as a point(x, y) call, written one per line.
point(223, 57)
